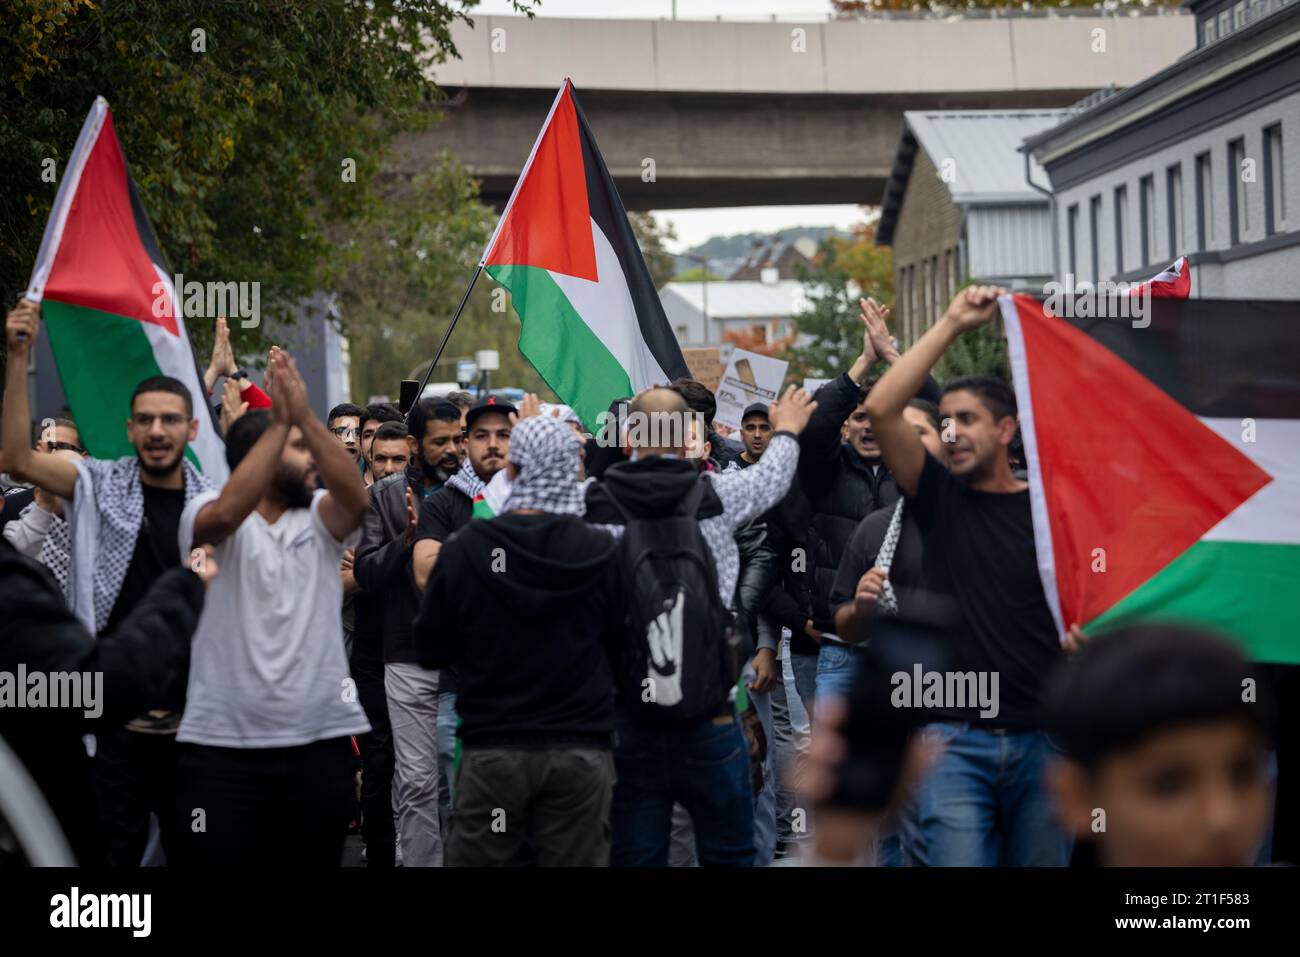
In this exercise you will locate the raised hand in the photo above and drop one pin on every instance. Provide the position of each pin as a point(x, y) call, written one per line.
point(529, 406)
point(973, 306)
point(295, 390)
point(21, 326)
point(876, 319)
point(232, 406)
point(276, 383)
point(792, 412)
point(223, 357)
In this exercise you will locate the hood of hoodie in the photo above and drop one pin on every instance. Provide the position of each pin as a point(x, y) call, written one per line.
point(546, 562)
point(648, 488)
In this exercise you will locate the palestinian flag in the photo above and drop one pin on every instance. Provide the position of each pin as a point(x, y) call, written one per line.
point(591, 322)
point(1164, 465)
point(108, 303)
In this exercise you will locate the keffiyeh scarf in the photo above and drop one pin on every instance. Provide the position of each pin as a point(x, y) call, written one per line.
point(107, 512)
point(546, 452)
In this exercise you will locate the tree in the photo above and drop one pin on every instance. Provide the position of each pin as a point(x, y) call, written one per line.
point(843, 271)
point(255, 139)
point(651, 237)
point(697, 274)
point(981, 351)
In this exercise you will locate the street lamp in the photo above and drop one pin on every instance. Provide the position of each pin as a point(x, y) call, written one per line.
point(704, 275)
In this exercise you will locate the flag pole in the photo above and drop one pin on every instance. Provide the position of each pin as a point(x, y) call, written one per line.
point(447, 335)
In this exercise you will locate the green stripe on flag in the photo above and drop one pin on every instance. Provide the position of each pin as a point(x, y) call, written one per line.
point(1245, 590)
point(101, 358)
point(560, 344)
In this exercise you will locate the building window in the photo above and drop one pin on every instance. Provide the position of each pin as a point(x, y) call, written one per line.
point(1147, 198)
point(1225, 23)
point(1238, 200)
point(1094, 230)
point(1256, 10)
point(956, 269)
point(1072, 226)
point(1239, 15)
point(1204, 202)
point(681, 333)
point(1121, 221)
point(936, 284)
point(1174, 189)
point(1274, 191)
point(1207, 32)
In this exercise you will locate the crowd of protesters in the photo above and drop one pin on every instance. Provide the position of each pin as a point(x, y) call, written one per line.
point(478, 634)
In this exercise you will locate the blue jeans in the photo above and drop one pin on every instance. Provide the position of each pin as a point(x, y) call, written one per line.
point(705, 768)
point(836, 666)
point(985, 803)
point(804, 669)
point(447, 719)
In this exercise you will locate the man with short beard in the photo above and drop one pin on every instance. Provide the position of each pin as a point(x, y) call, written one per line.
point(421, 703)
point(123, 524)
point(266, 750)
point(383, 571)
point(376, 414)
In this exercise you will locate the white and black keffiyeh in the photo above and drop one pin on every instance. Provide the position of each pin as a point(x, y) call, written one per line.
point(546, 452)
point(56, 552)
point(107, 512)
point(466, 481)
point(888, 603)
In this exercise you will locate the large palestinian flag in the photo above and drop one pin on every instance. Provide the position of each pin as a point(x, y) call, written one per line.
point(591, 322)
point(108, 303)
point(1164, 465)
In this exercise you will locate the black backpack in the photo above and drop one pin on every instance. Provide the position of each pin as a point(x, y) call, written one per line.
point(683, 654)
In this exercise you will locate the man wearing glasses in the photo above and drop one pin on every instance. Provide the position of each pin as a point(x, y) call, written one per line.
point(344, 421)
point(123, 520)
point(37, 527)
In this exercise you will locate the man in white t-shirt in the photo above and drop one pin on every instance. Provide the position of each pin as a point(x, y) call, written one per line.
point(266, 762)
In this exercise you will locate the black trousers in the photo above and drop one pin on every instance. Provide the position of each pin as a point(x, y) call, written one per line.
point(253, 806)
point(134, 774)
point(377, 768)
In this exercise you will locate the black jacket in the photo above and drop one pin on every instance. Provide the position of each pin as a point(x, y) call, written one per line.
point(842, 489)
point(382, 567)
point(529, 609)
point(144, 659)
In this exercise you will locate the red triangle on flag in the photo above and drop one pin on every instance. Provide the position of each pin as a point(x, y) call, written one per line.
point(1124, 467)
point(101, 262)
point(548, 222)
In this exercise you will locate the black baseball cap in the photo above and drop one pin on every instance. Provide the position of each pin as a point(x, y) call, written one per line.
point(757, 408)
point(490, 404)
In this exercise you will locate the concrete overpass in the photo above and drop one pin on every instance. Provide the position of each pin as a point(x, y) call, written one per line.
point(764, 113)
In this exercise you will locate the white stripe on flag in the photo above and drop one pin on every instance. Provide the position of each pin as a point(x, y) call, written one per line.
point(1037, 496)
point(607, 309)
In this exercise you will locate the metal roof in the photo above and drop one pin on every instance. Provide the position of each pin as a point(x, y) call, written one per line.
point(984, 147)
point(742, 298)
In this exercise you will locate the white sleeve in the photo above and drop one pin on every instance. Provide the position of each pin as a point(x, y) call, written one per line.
point(27, 532)
point(185, 530)
point(353, 538)
point(747, 493)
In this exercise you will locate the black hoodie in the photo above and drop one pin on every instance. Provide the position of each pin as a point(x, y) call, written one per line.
point(528, 608)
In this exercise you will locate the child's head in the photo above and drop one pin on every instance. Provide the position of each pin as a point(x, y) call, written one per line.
point(1165, 738)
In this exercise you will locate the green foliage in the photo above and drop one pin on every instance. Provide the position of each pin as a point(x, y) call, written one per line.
point(843, 271)
point(981, 351)
point(239, 139)
point(651, 237)
point(698, 275)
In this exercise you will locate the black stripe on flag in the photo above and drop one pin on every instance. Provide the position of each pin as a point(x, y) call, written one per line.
point(607, 210)
point(144, 230)
point(1219, 358)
